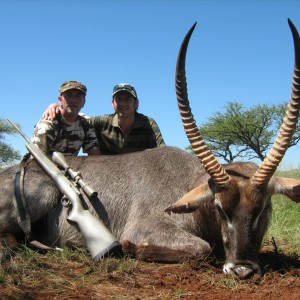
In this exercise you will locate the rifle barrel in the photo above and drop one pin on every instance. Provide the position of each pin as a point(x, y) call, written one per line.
point(19, 130)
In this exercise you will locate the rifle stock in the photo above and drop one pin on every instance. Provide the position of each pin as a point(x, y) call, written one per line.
point(99, 241)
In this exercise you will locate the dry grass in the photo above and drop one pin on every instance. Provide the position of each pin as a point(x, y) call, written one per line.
point(71, 274)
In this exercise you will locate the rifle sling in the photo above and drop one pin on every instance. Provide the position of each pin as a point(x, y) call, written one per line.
point(21, 204)
point(22, 210)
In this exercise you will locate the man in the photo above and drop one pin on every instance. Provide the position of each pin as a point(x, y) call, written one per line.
point(68, 132)
point(126, 130)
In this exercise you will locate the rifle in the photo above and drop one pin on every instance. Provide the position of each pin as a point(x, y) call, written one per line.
point(59, 159)
point(99, 241)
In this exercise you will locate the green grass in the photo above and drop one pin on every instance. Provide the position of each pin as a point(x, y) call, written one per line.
point(285, 224)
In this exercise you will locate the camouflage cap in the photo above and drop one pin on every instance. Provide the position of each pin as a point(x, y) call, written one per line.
point(125, 87)
point(72, 85)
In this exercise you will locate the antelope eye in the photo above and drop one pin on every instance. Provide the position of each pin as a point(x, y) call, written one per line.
point(219, 206)
point(218, 203)
point(221, 212)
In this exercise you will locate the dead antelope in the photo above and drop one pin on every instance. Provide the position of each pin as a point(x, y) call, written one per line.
point(222, 210)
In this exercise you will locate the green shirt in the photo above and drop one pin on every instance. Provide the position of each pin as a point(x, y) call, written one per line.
point(144, 134)
point(68, 138)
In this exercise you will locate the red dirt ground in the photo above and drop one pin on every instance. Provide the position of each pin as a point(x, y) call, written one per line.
point(47, 277)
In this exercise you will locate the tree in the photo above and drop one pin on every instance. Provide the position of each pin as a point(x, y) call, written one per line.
point(7, 153)
point(239, 132)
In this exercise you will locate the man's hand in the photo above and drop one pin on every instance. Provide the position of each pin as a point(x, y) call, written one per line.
point(51, 112)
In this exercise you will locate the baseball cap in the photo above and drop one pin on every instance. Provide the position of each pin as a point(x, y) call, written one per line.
point(72, 85)
point(125, 87)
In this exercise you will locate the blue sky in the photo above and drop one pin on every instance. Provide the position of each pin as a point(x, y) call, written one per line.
point(240, 51)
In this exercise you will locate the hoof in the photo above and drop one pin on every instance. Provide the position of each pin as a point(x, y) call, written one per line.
point(7, 243)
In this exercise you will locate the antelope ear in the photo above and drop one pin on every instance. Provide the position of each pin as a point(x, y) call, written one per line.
point(289, 187)
point(191, 201)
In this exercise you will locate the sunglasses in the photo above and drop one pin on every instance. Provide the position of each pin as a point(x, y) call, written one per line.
point(124, 87)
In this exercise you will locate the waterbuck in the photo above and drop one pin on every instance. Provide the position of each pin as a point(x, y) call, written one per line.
point(222, 210)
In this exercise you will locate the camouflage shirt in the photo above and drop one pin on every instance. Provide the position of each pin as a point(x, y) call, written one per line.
point(68, 138)
point(144, 134)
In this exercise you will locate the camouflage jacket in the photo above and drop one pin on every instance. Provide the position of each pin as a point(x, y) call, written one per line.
point(68, 138)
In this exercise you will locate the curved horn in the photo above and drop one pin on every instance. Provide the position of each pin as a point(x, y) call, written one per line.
point(274, 157)
point(204, 154)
